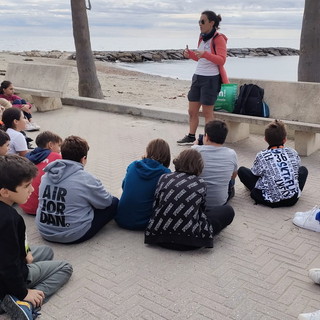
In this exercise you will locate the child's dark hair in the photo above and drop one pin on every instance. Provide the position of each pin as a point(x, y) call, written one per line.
point(4, 137)
point(275, 133)
point(217, 131)
point(14, 170)
point(189, 161)
point(74, 148)
point(9, 115)
point(45, 137)
point(212, 16)
point(4, 85)
point(159, 150)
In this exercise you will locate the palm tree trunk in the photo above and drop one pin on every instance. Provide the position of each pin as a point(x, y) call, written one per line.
point(309, 60)
point(89, 85)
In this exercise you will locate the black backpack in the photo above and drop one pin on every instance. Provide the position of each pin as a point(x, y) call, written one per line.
point(250, 101)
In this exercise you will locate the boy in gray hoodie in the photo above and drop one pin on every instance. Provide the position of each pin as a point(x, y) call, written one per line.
point(73, 204)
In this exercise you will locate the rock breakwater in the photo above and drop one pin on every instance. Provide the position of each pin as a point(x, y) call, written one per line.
point(158, 55)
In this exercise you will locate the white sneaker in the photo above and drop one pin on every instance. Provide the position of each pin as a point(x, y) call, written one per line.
point(310, 316)
point(31, 126)
point(303, 213)
point(314, 274)
point(308, 220)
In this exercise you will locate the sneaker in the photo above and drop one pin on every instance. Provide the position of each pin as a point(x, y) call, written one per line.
point(308, 220)
point(314, 274)
point(16, 309)
point(303, 213)
point(186, 140)
point(310, 316)
point(31, 126)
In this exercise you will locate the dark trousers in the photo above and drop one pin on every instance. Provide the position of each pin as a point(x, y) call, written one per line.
point(219, 217)
point(101, 218)
point(249, 180)
point(22, 101)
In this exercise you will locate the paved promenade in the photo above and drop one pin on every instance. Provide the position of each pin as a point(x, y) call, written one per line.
point(256, 270)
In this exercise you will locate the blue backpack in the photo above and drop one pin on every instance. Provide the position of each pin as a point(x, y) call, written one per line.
point(250, 101)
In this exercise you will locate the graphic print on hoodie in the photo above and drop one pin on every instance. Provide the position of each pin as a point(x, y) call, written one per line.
point(139, 185)
point(67, 198)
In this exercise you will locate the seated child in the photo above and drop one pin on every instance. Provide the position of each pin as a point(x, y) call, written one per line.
point(180, 220)
point(73, 204)
point(7, 92)
point(26, 279)
point(4, 143)
point(48, 150)
point(15, 122)
point(277, 177)
point(139, 185)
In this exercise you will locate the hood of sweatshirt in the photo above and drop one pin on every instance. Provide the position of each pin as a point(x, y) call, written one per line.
point(148, 168)
point(37, 155)
point(59, 170)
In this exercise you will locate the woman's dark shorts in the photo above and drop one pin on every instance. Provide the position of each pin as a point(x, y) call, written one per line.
point(205, 89)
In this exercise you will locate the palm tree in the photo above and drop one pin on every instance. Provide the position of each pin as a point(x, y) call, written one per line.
point(309, 60)
point(89, 85)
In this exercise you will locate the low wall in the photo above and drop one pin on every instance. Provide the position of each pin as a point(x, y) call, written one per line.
point(296, 101)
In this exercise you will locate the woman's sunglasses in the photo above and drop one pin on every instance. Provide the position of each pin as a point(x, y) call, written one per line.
point(202, 21)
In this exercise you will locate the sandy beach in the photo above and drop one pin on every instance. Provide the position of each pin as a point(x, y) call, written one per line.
point(118, 85)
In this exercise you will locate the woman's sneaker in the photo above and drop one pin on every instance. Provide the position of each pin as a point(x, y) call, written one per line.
point(308, 220)
point(17, 309)
point(186, 140)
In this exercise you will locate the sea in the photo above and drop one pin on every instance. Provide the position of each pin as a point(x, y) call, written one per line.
point(282, 68)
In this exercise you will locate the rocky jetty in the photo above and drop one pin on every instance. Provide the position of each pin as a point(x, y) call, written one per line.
point(158, 55)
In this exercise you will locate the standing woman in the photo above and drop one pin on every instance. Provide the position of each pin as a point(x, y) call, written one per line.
point(210, 73)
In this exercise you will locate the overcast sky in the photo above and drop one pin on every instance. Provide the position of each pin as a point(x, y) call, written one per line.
point(151, 18)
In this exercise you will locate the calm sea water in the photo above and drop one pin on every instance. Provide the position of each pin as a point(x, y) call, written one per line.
point(269, 68)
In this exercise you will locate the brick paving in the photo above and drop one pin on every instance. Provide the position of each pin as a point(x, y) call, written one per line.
point(256, 270)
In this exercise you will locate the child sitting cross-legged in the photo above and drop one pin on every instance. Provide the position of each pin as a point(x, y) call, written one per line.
point(73, 204)
point(139, 184)
point(47, 151)
point(27, 279)
point(277, 177)
point(179, 220)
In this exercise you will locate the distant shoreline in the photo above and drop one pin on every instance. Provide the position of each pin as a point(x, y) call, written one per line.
point(156, 55)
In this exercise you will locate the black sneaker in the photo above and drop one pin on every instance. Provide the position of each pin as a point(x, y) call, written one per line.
point(186, 140)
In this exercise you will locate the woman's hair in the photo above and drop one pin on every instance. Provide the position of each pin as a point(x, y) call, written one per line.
point(275, 133)
point(9, 115)
point(4, 85)
point(45, 137)
point(213, 17)
point(74, 148)
point(159, 150)
point(189, 161)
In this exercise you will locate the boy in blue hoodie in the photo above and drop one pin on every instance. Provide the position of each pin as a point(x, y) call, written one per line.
point(73, 204)
point(139, 185)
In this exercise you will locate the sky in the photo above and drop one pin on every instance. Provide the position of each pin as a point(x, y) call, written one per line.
point(175, 19)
